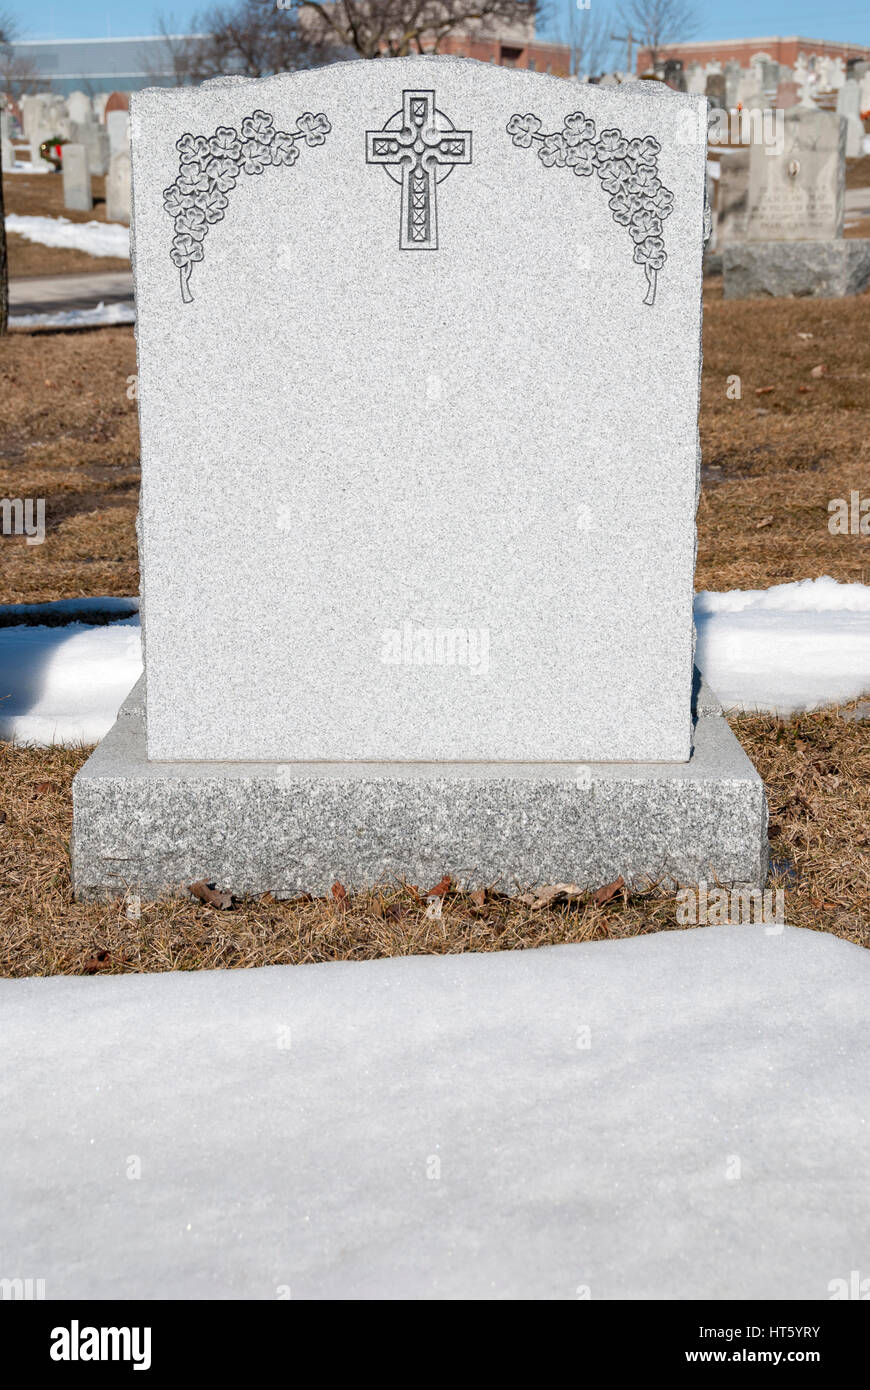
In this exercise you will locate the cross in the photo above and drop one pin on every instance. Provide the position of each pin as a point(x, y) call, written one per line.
point(425, 154)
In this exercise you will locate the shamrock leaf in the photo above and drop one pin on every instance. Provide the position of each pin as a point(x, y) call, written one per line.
point(522, 129)
point(581, 158)
point(578, 127)
point(284, 149)
point(623, 207)
point(615, 176)
point(662, 200)
point(192, 147)
point(552, 150)
point(258, 127)
point(225, 143)
point(645, 224)
point(645, 182)
point(223, 173)
point(612, 145)
point(185, 250)
point(213, 203)
point(651, 253)
point(174, 200)
point(192, 222)
point(192, 179)
point(255, 156)
point(314, 128)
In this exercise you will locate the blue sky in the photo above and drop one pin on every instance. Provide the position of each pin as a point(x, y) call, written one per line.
point(842, 20)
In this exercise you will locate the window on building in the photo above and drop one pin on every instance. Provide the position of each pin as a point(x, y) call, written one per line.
point(510, 56)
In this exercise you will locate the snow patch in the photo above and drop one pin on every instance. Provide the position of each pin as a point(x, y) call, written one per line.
point(101, 316)
point(96, 238)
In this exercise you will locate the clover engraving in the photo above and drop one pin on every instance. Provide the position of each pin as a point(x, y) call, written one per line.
point(209, 168)
point(628, 173)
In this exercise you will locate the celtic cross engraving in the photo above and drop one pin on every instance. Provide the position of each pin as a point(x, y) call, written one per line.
point(418, 147)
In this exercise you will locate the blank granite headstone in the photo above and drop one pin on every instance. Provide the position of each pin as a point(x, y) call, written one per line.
point(418, 386)
point(848, 106)
point(794, 231)
point(77, 193)
point(118, 188)
point(80, 109)
point(786, 95)
point(118, 127)
point(96, 142)
point(732, 202)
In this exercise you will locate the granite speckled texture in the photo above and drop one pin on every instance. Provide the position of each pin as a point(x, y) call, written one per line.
point(151, 828)
point(811, 269)
point(351, 441)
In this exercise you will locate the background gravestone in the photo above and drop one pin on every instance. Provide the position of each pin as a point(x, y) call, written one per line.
point(118, 188)
point(118, 127)
point(794, 232)
point(76, 179)
point(96, 142)
point(418, 349)
point(848, 104)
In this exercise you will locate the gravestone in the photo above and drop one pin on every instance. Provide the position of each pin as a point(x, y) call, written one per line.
point(732, 200)
point(798, 194)
point(419, 350)
point(786, 95)
point(715, 89)
point(794, 231)
point(80, 109)
point(864, 100)
point(96, 142)
point(848, 106)
point(118, 127)
point(77, 193)
point(7, 153)
point(118, 188)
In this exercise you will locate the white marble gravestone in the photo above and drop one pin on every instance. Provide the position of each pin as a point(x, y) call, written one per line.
point(118, 187)
point(418, 387)
point(76, 173)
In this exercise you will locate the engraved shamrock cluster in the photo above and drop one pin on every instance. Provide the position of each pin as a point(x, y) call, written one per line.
point(210, 167)
point(628, 170)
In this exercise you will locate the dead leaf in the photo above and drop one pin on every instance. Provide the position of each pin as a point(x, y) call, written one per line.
point(2, 817)
point(101, 961)
point(764, 390)
point(818, 371)
point(210, 895)
point(609, 891)
point(339, 896)
point(478, 897)
point(765, 521)
point(41, 789)
point(804, 390)
point(441, 887)
point(551, 894)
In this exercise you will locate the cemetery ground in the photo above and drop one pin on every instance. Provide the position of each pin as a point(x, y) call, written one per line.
point(798, 436)
point(772, 460)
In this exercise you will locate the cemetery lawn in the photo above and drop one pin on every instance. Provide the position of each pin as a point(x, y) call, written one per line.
point(41, 195)
point(773, 460)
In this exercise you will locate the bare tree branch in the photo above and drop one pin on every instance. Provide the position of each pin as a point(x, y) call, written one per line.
point(657, 23)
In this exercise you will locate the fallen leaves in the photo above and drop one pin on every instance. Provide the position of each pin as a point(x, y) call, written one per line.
point(819, 370)
point(41, 789)
point(764, 390)
point(765, 521)
point(608, 892)
point(210, 895)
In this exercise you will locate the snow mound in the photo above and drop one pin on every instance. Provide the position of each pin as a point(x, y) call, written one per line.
point(101, 316)
point(96, 238)
point(792, 647)
point(676, 1116)
point(66, 684)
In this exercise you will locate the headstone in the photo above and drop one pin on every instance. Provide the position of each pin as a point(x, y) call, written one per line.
point(99, 103)
point(96, 141)
point(786, 95)
point(7, 152)
point(696, 80)
point(794, 237)
point(39, 135)
point(118, 188)
point(848, 107)
point(733, 76)
point(118, 127)
point(865, 94)
point(116, 101)
point(798, 193)
point(444, 537)
point(732, 200)
point(80, 108)
point(76, 179)
point(715, 89)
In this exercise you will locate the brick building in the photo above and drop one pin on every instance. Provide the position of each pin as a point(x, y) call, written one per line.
point(742, 51)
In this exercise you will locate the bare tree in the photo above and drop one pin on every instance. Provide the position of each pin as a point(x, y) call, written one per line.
point(399, 28)
point(656, 23)
point(251, 38)
point(588, 36)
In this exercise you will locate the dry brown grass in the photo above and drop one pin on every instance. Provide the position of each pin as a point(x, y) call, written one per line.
point(41, 195)
point(817, 771)
point(68, 432)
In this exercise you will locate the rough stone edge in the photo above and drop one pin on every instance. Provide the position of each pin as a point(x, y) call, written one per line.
point(719, 787)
